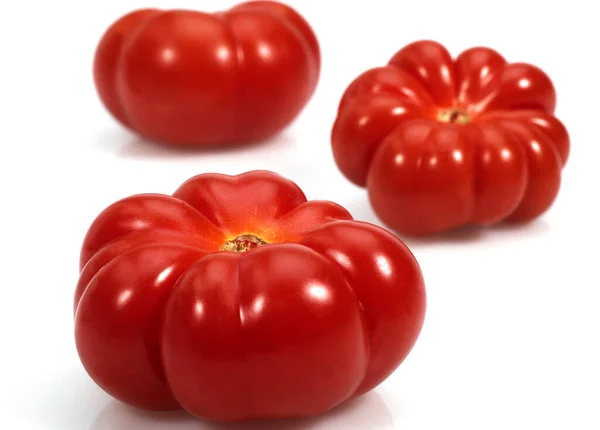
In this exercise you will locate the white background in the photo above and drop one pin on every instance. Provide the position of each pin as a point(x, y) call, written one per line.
point(511, 335)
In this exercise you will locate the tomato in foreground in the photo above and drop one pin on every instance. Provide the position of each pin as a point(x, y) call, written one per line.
point(441, 143)
point(189, 78)
point(237, 299)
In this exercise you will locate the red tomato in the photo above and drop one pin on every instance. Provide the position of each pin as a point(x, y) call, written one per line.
point(441, 143)
point(184, 77)
point(237, 299)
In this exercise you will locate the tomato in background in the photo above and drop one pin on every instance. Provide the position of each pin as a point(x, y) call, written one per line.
point(236, 299)
point(190, 78)
point(441, 143)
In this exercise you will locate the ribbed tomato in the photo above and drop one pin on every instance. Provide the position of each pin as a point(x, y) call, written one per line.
point(236, 298)
point(441, 142)
point(185, 77)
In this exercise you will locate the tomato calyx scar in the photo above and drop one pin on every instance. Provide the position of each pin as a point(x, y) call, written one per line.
point(243, 243)
point(453, 115)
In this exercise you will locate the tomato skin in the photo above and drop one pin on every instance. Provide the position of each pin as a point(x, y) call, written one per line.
point(393, 319)
point(107, 57)
point(184, 77)
point(120, 246)
point(255, 294)
point(167, 317)
point(440, 143)
point(144, 213)
point(129, 304)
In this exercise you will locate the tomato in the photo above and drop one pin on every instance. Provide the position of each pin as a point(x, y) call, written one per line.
point(184, 77)
point(236, 299)
point(442, 142)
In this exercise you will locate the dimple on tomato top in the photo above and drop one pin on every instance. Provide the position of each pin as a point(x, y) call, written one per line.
point(441, 142)
point(236, 298)
point(191, 78)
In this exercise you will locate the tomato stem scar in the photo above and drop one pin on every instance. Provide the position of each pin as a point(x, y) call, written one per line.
point(243, 243)
point(453, 116)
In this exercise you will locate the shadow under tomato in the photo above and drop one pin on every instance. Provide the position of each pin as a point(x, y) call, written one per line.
point(533, 228)
point(369, 411)
point(125, 143)
point(497, 233)
point(466, 234)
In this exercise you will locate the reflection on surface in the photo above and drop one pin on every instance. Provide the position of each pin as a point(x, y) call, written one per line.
point(318, 292)
point(367, 412)
point(61, 400)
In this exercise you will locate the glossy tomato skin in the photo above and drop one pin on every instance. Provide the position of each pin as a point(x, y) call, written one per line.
point(191, 78)
point(257, 306)
point(320, 308)
point(442, 142)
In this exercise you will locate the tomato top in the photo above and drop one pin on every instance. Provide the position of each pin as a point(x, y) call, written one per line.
point(217, 212)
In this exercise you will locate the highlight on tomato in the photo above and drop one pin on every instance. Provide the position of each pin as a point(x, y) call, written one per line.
point(235, 299)
point(192, 78)
point(442, 142)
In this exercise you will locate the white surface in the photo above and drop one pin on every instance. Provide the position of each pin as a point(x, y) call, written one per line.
point(511, 336)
